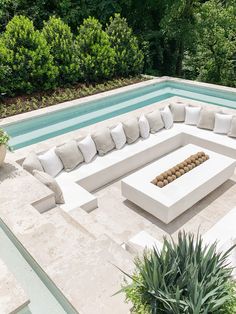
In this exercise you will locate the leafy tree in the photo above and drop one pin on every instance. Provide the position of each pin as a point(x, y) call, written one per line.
point(31, 63)
point(168, 28)
point(128, 56)
point(71, 12)
point(214, 57)
point(60, 39)
point(97, 58)
point(178, 26)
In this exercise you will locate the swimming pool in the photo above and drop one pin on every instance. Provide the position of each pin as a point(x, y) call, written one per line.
point(36, 129)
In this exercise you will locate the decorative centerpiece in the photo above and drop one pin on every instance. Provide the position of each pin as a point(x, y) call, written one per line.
point(4, 139)
point(174, 173)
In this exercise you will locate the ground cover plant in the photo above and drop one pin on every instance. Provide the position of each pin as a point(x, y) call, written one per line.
point(184, 277)
point(14, 105)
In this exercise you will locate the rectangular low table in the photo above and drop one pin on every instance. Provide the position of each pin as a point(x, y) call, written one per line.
point(169, 202)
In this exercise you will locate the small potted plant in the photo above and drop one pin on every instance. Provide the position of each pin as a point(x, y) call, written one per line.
point(4, 139)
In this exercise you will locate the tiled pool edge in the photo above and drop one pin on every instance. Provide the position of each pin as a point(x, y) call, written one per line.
point(113, 92)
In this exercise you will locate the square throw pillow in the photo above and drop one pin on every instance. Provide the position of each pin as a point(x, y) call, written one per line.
point(144, 127)
point(206, 119)
point(155, 121)
point(118, 136)
point(178, 111)
point(32, 162)
point(167, 117)
point(103, 141)
point(232, 131)
point(192, 115)
point(51, 162)
point(69, 154)
point(51, 183)
point(222, 123)
point(88, 148)
point(131, 130)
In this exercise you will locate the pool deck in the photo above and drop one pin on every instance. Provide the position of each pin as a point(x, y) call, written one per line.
point(80, 252)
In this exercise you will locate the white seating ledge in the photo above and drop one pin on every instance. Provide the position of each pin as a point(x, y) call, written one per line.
point(78, 185)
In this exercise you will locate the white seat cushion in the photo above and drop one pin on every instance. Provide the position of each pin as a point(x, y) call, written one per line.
point(32, 163)
point(88, 148)
point(222, 123)
point(118, 136)
point(178, 111)
point(51, 162)
point(51, 183)
point(155, 121)
point(232, 131)
point(131, 130)
point(103, 141)
point(167, 117)
point(144, 126)
point(69, 154)
point(192, 115)
point(206, 119)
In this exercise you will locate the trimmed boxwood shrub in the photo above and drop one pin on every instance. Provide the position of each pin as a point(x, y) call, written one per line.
point(60, 40)
point(97, 58)
point(5, 69)
point(128, 56)
point(31, 62)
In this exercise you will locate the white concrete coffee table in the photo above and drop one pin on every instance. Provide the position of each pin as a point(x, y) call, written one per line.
point(169, 202)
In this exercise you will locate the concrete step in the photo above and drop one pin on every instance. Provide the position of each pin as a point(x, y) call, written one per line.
point(88, 276)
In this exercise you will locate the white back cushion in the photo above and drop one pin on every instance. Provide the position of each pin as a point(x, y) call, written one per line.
point(222, 123)
point(51, 162)
point(192, 115)
point(144, 126)
point(118, 136)
point(88, 148)
point(167, 117)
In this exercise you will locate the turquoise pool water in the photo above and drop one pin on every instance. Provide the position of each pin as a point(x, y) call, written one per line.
point(50, 125)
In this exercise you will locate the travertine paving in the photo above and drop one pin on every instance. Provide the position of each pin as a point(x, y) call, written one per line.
point(79, 251)
point(12, 297)
point(122, 219)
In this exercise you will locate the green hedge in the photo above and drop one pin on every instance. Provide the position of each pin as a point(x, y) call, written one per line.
point(35, 60)
point(128, 56)
point(62, 46)
point(96, 55)
point(28, 57)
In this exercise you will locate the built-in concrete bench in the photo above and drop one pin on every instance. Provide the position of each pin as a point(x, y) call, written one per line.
point(140, 242)
point(86, 178)
point(78, 184)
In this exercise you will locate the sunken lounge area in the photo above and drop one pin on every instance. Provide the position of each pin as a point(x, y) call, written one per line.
point(111, 201)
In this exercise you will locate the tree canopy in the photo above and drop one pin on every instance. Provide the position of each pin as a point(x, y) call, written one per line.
point(186, 38)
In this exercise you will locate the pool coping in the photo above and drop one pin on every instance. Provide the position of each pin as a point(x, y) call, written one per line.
point(80, 101)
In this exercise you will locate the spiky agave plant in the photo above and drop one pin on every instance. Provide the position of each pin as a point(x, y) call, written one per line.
point(184, 277)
